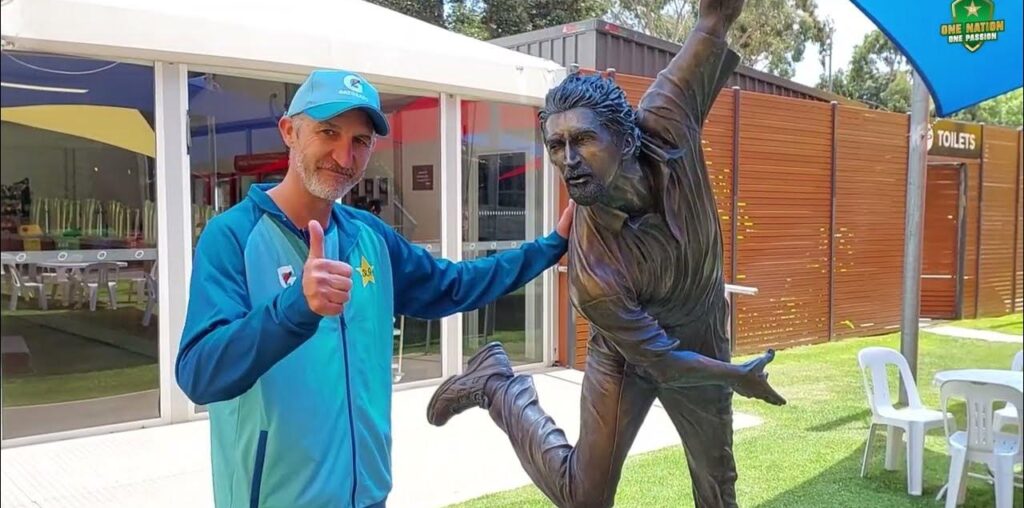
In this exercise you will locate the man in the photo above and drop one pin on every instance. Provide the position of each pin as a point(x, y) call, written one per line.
point(645, 261)
point(288, 337)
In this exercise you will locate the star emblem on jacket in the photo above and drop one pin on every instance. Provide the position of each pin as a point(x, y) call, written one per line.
point(366, 271)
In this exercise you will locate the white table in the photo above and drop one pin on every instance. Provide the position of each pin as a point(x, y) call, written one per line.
point(1013, 379)
point(76, 264)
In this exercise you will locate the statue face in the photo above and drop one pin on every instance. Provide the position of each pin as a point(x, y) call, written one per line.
point(586, 152)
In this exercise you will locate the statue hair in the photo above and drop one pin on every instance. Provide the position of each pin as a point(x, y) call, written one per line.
point(600, 95)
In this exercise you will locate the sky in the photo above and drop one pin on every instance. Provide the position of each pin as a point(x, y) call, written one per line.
point(851, 25)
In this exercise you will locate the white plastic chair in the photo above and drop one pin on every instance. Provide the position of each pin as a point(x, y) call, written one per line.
point(152, 296)
point(102, 274)
point(1008, 414)
point(138, 280)
point(57, 277)
point(981, 442)
point(914, 420)
point(21, 284)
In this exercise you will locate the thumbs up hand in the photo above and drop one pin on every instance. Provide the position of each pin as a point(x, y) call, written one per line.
point(325, 282)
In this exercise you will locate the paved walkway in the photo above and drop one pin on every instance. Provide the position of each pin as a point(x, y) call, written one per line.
point(970, 333)
point(169, 465)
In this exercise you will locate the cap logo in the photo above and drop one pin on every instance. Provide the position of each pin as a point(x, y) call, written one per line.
point(354, 83)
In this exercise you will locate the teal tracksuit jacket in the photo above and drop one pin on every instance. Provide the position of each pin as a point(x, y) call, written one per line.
point(299, 404)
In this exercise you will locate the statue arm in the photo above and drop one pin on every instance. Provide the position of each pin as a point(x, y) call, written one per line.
point(677, 103)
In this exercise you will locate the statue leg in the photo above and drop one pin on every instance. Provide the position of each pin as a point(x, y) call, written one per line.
point(703, 417)
point(614, 404)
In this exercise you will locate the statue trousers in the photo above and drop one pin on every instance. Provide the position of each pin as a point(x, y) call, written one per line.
point(615, 401)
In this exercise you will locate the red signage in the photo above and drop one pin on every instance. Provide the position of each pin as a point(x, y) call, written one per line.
point(262, 162)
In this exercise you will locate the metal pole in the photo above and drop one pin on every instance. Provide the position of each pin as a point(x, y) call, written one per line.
point(961, 240)
point(914, 222)
point(734, 219)
point(830, 51)
point(1016, 230)
point(832, 227)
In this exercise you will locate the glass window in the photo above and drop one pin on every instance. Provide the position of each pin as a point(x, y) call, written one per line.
point(235, 143)
point(234, 140)
point(503, 202)
point(79, 218)
point(402, 186)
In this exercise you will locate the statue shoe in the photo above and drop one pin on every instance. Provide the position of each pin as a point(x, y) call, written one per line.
point(463, 391)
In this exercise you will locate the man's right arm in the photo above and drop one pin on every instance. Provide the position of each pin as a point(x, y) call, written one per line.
point(229, 342)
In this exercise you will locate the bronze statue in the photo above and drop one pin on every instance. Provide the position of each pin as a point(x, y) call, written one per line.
point(645, 269)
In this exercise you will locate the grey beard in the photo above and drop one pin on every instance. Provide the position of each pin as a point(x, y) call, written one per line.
point(590, 194)
point(318, 187)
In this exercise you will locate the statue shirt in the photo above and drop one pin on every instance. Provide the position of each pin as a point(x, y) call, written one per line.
point(654, 284)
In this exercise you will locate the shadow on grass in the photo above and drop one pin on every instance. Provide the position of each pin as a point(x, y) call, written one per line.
point(841, 485)
point(861, 416)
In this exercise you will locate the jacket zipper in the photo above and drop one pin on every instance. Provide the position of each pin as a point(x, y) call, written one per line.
point(301, 233)
point(348, 380)
point(351, 418)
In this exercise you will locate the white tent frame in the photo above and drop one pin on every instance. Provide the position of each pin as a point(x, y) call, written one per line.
point(259, 39)
point(388, 48)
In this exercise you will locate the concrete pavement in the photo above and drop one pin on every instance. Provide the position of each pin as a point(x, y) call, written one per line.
point(169, 465)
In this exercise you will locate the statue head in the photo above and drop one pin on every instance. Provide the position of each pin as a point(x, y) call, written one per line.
point(589, 130)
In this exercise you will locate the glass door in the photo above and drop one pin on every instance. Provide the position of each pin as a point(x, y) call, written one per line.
point(503, 203)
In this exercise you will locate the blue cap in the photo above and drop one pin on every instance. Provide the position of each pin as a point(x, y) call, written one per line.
point(327, 94)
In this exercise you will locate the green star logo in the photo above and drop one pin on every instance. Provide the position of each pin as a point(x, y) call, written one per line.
point(973, 24)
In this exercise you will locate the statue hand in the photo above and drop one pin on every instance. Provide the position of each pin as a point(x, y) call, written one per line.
point(753, 382)
point(716, 16)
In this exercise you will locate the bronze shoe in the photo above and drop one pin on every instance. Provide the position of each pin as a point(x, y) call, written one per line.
point(463, 391)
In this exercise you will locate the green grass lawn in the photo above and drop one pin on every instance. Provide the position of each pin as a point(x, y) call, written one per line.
point(808, 452)
point(1012, 324)
point(78, 354)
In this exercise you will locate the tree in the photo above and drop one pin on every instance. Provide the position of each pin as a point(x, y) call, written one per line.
point(878, 75)
point(1006, 109)
point(510, 17)
point(431, 11)
point(771, 35)
point(489, 19)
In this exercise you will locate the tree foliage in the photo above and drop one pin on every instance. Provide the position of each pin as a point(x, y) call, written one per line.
point(771, 35)
point(878, 75)
point(489, 19)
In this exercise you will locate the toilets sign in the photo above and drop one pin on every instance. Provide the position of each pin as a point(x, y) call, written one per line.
point(955, 139)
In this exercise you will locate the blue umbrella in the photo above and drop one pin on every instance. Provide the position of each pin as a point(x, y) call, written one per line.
point(966, 51)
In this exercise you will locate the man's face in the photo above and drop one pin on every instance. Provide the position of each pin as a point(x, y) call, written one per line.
point(586, 153)
point(330, 156)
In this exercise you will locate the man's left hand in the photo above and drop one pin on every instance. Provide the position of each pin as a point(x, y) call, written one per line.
point(565, 222)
